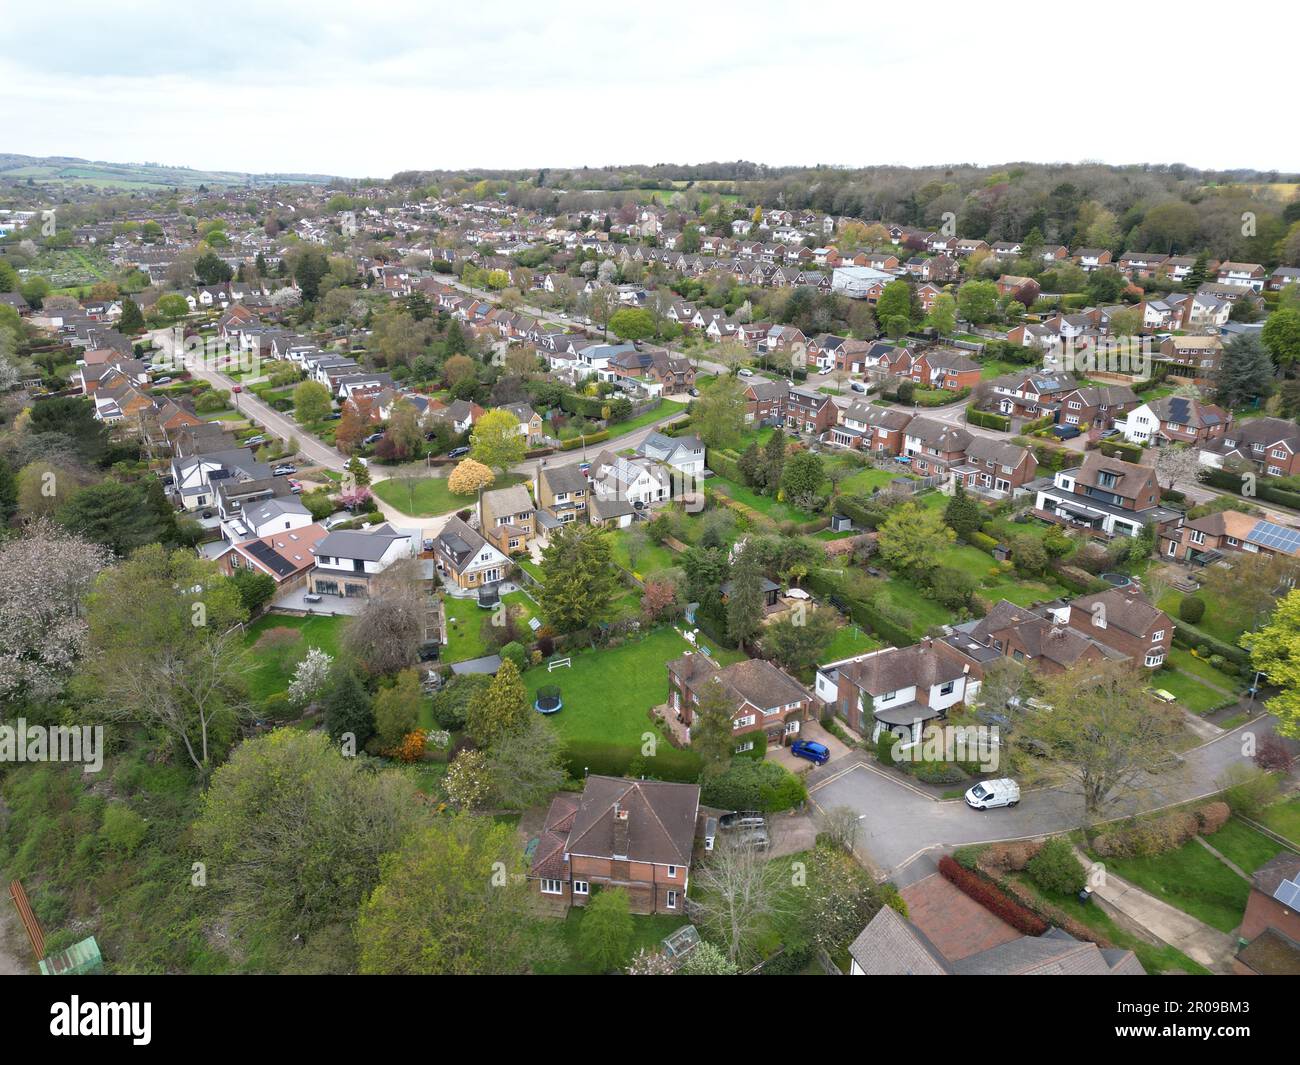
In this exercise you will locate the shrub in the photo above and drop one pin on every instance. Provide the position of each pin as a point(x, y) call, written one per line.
point(1212, 816)
point(123, 829)
point(1055, 868)
point(992, 898)
point(277, 707)
point(1273, 755)
point(514, 652)
point(1248, 789)
point(1191, 610)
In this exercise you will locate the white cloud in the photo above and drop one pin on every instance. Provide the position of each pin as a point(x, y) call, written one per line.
point(337, 87)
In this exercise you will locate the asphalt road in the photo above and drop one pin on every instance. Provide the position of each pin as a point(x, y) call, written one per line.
point(901, 824)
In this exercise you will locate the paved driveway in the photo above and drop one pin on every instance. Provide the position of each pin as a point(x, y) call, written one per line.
point(900, 823)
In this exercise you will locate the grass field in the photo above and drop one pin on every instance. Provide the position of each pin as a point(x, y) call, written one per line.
point(465, 621)
point(1202, 670)
point(868, 479)
point(1193, 880)
point(1190, 692)
point(1243, 846)
point(653, 558)
point(608, 693)
point(1284, 819)
point(648, 930)
point(1217, 622)
point(767, 505)
point(274, 660)
point(429, 496)
point(849, 640)
point(666, 408)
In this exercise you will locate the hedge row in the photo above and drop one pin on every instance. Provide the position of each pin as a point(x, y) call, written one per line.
point(987, 419)
point(1186, 635)
point(614, 760)
point(862, 612)
point(590, 438)
point(1265, 489)
point(992, 898)
point(724, 463)
point(1122, 450)
point(1040, 423)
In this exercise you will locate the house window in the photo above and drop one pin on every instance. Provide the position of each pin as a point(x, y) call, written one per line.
point(1155, 659)
point(672, 872)
point(580, 887)
point(947, 688)
point(744, 722)
point(741, 748)
point(552, 887)
point(671, 901)
point(888, 697)
point(1158, 635)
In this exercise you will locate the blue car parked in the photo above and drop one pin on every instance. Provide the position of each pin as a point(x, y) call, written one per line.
point(814, 752)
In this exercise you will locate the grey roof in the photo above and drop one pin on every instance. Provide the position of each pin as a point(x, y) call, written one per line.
point(891, 946)
point(564, 479)
point(270, 509)
point(369, 546)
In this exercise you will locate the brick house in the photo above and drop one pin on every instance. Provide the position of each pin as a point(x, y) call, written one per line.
point(1107, 496)
point(1204, 539)
point(765, 401)
point(934, 446)
point(1096, 405)
point(1271, 924)
point(466, 558)
point(1193, 356)
point(637, 835)
point(1038, 639)
point(1031, 394)
point(945, 368)
point(866, 427)
point(1175, 420)
point(996, 466)
point(1023, 289)
point(807, 411)
point(766, 699)
point(1126, 623)
point(562, 493)
point(1270, 445)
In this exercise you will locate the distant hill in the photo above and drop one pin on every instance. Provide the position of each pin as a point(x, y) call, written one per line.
point(63, 170)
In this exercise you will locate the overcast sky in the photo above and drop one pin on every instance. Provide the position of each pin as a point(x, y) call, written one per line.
point(367, 89)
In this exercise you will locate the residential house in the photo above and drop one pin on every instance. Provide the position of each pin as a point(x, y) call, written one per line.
point(934, 446)
point(1125, 622)
point(1105, 495)
point(1197, 357)
point(763, 697)
point(637, 835)
point(1096, 406)
point(1031, 394)
point(507, 518)
point(1270, 927)
point(765, 401)
point(944, 368)
point(1243, 275)
point(465, 558)
point(562, 493)
point(867, 427)
point(1205, 540)
point(896, 689)
point(1023, 289)
point(1090, 259)
point(996, 467)
point(807, 411)
point(348, 561)
point(530, 423)
point(683, 453)
point(1271, 446)
point(1175, 420)
point(636, 481)
point(286, 557)
point(1037, 639)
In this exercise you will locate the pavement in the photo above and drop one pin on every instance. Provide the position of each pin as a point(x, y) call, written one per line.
point(1200, 942)
point(902, 825)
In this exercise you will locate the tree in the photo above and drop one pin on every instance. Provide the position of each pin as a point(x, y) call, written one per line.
point(745, 597)
point(713, 734)
point(255, 589)
point(1275, 652)
point(211, 269)
point(1178, 463)
point(895, 302)
point(311, 402)
point(310, 677)
point(351, 429)
point(467, 783)
point(43, 628)
point(1126, 322)
point(132, 321)
point(497, 442)
point(580, 580)
point(404, 432)
point(397, 708)
point(347, 707)
point(605, 935)
point(524, 766)
point(163, 653)
point(116, 515)
point(774, 453)
point(803, 479)
point(799, 644)
point(309, 270)
point(836, 901)
point(632, 323)
point(385, 636)
point(292, 835)
point(718, 414)
point(707, 960)
point(451, 900)
point(501, 709)
point(943, 314)
point(978, 301)
point(1245, 592)
point(1281, 335)
point(1246, 371)
point(1103, 730)
point(912, 538)
point(459, 370)
point(738, 894)
point(659, 600)
point(963, 514)
point(469, 477)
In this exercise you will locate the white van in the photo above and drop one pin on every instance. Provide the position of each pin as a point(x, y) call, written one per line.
point(991, 793)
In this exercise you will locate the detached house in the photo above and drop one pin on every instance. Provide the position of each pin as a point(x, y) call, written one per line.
point(807, 411)
point(1197, 357)
point(1175, 420)
point(1204, 540)
point(347, 561)
point(466, 558)
point(1269, 445)
point(765, 401)
point(1097, 406)
point(1124, 622)
point(507, 518)
point(561, 496)
point(764, 697)
point(637, 835)
point(683, 453)
point(1106, 496)
point(1243, 275)
point(870, 428)
point(896, 688)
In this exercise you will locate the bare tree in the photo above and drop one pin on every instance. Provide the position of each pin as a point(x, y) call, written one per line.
point(1177, 463)
point(739, 890)
point(385, 637)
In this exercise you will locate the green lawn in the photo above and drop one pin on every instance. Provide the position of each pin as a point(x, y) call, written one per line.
point(1197, 697)
point(653, 558)
point(767, 505)
point(666, 408)
point(1243, 846)
point(995, 584)
point(273, 661)
point(1284, 819)
point(849, 640)
point(868, 479)
point(1184, 660)
point(465, 621)
point(905, 596)
point(429, 496)
point(1191, 879)
point(608, 693)
point(648, 930)
point(1217, 622)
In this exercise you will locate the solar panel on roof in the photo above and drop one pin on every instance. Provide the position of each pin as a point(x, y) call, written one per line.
point(1288, 894)
point(1275, 537)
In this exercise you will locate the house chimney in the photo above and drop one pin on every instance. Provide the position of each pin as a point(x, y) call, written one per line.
point(620, 831)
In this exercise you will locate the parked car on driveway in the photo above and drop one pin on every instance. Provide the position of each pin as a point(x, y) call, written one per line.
point(1065, 432)
point(255, 441)
point(284, 471)
point(742, 819)
point(373, 438)
point(815, 752)
point(744, 371)
point(857, 386)
point(458, 453)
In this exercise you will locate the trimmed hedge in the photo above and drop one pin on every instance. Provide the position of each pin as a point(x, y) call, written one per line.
point(1186, 635)
point(724, 463)
point(862, 612)
point(614, 759)
point(992, 898)
point(987, 419)
point(982, 540)
point(591, 438)
point(1265, 488)
point(1120, 449)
